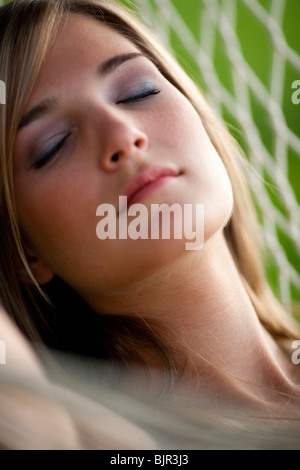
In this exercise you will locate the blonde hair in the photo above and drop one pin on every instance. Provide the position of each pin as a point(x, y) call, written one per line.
point(27, 28)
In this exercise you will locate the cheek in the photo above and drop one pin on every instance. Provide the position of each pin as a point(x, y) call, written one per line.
point(56, 213)
point(178, 123)
point(207, 181)
point(183, 132)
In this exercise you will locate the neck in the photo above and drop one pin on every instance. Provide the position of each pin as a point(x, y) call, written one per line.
point(207, 316)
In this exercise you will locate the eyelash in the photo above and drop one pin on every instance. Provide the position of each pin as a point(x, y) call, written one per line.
point(139, 96)
point(47, 156)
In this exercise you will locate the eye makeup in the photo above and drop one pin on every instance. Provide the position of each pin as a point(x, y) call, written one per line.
point(51, 150)
point(133, 83)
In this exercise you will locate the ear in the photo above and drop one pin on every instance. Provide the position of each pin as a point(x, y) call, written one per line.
point(41, 272)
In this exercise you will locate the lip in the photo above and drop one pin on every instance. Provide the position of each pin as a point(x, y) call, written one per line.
point(147, 181)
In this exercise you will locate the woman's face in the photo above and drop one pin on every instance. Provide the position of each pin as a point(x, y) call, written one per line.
point(99, 115)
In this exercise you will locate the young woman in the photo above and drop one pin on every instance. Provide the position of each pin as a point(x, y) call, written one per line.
point(97, 109)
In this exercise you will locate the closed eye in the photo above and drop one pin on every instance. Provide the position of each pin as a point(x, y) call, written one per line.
point(141, 95)
point(48, 155)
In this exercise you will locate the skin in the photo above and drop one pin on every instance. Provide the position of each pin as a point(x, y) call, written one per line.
point(23, 414)
point(33, 417)
point(198, 293)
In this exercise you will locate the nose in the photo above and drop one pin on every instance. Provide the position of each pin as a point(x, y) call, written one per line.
point(120, 139)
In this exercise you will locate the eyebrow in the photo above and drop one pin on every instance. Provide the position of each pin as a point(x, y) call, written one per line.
point(111, 64)
point(51, 104)
point(38, 111)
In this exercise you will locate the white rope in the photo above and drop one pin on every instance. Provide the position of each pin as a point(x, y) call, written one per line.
point(278, 38)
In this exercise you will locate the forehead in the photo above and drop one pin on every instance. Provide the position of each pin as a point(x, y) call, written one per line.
point(86, 35)
point(81, 43)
